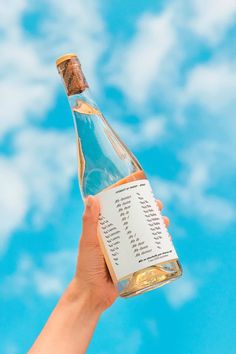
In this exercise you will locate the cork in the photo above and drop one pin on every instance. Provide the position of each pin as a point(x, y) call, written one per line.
point(70, 70)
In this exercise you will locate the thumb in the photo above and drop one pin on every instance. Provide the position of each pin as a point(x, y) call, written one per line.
point(90, 220)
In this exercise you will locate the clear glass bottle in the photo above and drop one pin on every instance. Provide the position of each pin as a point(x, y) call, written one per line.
point(106, 163)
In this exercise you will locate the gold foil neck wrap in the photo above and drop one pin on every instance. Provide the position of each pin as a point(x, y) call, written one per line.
point(72, 75)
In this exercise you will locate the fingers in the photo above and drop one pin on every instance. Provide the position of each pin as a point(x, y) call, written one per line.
point(90, 220)
point(91, 215)
point(166, 221)
point(165, 218)
point(159, 204)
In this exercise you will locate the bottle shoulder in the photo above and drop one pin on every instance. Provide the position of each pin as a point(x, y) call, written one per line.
point(104, 159)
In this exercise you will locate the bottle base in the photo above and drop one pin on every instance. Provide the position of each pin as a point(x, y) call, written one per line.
point(149, 278)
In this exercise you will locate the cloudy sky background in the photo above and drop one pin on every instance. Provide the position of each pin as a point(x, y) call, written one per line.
point(164, 74)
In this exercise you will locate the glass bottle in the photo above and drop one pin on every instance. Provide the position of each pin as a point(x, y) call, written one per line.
point(136, 245)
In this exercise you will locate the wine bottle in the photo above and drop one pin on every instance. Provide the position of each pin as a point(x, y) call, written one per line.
point(138, 250)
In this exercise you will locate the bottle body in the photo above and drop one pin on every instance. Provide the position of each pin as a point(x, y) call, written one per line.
point(136, 245)
point(106, 163)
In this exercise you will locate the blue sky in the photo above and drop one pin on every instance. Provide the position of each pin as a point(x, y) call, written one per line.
point(164, 74)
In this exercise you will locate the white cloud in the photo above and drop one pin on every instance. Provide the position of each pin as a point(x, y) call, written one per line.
point(181, 291)
point(13, 200)
point(190, 192)
point(28, 73)
point(58, 269)
point(213, 86)
point(148, 132)
point(211, 19)
point(10, 16)
point(139, 65)
point(40, 170)
point(187, 288)
point(206, 162)
point(49, 279)
point(47, 161)
point(77, 28)
point(21, 99)
point(35, 177)
point(27, 85)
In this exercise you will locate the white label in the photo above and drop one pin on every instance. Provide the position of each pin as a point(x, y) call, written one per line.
point(132, 228)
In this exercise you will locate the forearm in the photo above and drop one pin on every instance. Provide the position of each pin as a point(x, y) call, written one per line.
point(71, 324)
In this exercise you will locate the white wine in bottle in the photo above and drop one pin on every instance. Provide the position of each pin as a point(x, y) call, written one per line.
point(138, 250)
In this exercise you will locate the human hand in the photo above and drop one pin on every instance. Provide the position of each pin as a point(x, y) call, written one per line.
point(91, 271)
point(70, 326)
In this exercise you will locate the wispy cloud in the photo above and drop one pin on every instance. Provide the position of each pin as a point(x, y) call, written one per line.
point(211, 19)
point(181, 291)
point(13, 201)
point(34, 177)
point(138, 66)
point(42, 165)
point(149, 132)
point(85, 34)
point(194, 279)
point(26, 86)
point(153, 60)
point(28, 74)
point(212, 86)
point(191, 191)
point(48, 279)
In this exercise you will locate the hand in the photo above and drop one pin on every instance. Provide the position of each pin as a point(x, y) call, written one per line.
point(70, 326)
point(91, 272)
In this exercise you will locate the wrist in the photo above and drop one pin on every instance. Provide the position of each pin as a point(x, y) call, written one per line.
point(77, 291)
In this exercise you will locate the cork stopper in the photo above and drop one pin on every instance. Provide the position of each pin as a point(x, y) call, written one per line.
point(69, 68)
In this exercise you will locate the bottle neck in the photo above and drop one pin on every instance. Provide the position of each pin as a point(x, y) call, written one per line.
point(84, 96)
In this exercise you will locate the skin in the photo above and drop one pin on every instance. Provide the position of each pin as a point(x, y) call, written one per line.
point(71, 325)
